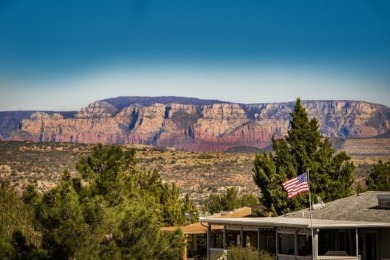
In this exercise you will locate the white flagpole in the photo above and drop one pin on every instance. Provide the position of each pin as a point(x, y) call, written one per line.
point(311, 217)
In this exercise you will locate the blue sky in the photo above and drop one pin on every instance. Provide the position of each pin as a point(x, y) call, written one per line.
point(62, 55)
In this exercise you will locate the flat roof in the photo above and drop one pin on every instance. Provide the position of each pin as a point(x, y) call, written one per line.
point(361, 207)
point(195, 228)
point(198, 228)
point(292, 222)
point(357, 211)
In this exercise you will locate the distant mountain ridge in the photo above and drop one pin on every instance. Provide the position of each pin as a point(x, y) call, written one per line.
point(191, 124)
point(125, 101)
point(11, 120)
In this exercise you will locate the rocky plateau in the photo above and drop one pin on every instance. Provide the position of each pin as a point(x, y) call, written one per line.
point(191, 124)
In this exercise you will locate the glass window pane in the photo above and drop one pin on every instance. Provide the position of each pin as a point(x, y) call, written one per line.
point(286, 244)
point(304, 245)
point(337, 242)
point(250, 239)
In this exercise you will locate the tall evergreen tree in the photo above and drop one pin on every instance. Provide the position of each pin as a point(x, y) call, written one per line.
point(229, 200)
point(189, 210)
point(114, 211)
point(303, 149)
point(19, 239)
point(379, 178)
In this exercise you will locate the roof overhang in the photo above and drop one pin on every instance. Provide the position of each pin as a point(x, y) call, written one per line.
point(193, 229)
point(292, 222)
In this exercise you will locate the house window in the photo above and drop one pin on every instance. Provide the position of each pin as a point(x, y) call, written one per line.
point(250, 239)
point(233, 238)
point(304, 245)
point(286, 244)
point(271, 244)
point(337, 242)
point(217, 240)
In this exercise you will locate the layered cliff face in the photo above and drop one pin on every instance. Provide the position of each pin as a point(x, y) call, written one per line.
point(197, 127)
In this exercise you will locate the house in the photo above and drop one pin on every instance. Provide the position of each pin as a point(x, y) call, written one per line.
point(356, 227)
point(196, 234)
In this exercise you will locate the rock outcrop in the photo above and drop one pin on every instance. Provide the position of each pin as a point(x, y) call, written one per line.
point(212, 126)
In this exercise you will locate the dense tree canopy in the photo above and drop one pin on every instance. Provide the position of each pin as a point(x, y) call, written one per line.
point(379, 178)
point(18, 237)
point(229, 200)
point(111, 210)
point(304, 149)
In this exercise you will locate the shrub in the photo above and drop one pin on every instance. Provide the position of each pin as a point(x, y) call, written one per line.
point(247, 253)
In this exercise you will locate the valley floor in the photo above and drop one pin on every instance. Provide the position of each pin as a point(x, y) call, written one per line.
point(198, 174)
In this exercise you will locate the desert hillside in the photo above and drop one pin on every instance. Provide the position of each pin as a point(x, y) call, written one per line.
point(197, 173)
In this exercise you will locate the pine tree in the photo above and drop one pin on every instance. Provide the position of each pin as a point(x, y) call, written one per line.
point(111, 210)
point(61, 216)
point(18, 237)
point(171, 205)
point(229, 200)
point(379, 178)
point(189, 210)
point(114, 211)
point(303, 149)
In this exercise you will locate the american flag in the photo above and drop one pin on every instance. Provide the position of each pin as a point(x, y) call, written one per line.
point(296, 186)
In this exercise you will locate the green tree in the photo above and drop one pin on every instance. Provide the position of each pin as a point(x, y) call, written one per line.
point(229, 200)
point(303, 149)
point(18, 237)
point(189, 210)
point(171, 209)
point(379, 178)
point(114, 211)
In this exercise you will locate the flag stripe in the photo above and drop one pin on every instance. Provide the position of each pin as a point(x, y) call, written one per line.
point(296, 186)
